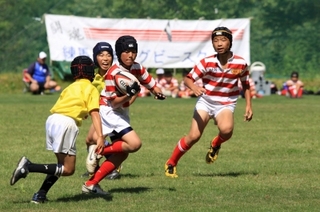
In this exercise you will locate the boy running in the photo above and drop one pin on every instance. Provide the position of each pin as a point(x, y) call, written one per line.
point(75, 103)
point(217, 98)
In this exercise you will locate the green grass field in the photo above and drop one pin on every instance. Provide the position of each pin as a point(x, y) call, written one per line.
point(270, 164)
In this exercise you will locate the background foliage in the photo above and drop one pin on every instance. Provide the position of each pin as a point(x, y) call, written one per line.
point(284, 34)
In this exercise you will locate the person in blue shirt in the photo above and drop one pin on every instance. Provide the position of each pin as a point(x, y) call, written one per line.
point(39, 76)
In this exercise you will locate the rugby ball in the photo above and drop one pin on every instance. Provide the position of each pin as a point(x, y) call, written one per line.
point(123, 79)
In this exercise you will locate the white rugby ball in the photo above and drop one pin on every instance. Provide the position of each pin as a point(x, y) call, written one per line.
point(124, 79)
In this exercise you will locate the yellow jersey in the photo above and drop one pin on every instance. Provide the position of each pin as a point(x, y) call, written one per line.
point(77, 100)
point(98, 82)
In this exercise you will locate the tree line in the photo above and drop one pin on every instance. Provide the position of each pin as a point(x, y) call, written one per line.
point(283, 34)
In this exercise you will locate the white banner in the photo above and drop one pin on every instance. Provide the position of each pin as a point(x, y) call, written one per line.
point(161, 43)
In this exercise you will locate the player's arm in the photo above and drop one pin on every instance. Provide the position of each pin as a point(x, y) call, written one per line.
point(247, 94)
point(132, 93)
point(156, 91)
point(198, 91)
point(96, 121)
point(119, 101)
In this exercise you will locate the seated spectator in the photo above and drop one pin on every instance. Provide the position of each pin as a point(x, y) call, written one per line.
point(144, 92)
point(274, 88)
point(253, 91)
point(160, 74)
point(169, 85)
point(184, 91)
point(39, 76)
point(293, 87)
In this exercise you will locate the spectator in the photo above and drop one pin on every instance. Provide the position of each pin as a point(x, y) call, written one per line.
point(169, 85)
point(144, 91)
point(39, 76)
point(293, 87)
point(160, 74)
point(184, 91)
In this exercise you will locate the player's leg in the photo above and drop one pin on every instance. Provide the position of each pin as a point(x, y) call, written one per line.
point(61, 135)
point(129, 143)
point(67, 168)
point(224, 120)
point(199, 121)
point(106, 168)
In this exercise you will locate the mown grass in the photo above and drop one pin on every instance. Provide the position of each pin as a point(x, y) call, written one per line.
point(270, 164)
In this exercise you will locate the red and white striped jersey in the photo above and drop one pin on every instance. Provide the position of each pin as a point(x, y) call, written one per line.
point(163, 83)
point(221, 84)
point(183, 87)
point(109, 92)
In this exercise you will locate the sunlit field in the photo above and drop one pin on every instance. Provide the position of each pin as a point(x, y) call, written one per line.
point(270, 164)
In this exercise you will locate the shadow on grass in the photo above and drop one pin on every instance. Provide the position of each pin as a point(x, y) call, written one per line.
point(119, 177)
point(228, 174)
point(75, 198)
point(125, 176)
point(135, 190)
point(82, 197)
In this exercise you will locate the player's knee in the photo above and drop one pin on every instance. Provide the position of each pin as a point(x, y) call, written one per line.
point(90, 141)
point(226, 134)
point(135, 146)
point(192, 138)
point(68, 171)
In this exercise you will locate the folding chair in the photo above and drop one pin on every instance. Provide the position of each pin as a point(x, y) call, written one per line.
point(26, 81)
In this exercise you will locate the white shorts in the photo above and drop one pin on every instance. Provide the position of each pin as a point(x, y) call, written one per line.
point(213, 108)
point(114, 120)
point(61, 134)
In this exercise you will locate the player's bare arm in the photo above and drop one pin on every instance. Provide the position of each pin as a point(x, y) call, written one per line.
point(157, 93)
point(120, 100)
point(96, 121)
point(198, 91)
point(248, 113)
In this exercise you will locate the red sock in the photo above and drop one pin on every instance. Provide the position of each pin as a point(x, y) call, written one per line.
point(218, 140)
point(105, 168)
point(300, 92)
point(178, 151)
point(116, 147)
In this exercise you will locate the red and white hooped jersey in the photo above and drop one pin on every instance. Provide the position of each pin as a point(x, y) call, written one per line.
point(109, 92)
point(163, 83)
point(221, 84)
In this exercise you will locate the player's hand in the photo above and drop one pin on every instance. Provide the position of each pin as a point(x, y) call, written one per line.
point(133, 89)
point(100, 145)
point(248, 115)
point(198, 91)
point(160, 96)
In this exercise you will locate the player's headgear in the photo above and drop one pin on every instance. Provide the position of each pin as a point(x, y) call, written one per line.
point(124, 43)
point(82, 67)
point(99, 47)
point(224, 31)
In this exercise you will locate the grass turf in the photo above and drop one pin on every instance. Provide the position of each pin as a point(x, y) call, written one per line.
point(270, 164)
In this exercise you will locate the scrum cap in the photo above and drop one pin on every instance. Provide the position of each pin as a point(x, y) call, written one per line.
point(124, 43)
point(82, 67)
point(99, 47)
point(224, 31)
